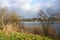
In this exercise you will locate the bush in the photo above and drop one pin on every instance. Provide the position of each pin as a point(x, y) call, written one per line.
point(22, 36)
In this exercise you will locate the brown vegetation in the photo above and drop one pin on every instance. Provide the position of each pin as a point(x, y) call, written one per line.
point(39, 30)
point(12, 28)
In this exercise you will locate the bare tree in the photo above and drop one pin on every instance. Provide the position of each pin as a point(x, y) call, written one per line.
point(13, 18)
point(46, 20)
point(3, 13)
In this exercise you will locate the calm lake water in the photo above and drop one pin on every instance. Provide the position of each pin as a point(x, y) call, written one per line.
point(56, 25)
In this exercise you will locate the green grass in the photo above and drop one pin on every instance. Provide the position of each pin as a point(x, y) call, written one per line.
point(22, 36)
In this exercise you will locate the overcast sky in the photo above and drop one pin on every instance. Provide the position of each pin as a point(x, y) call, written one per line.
point(27, 8)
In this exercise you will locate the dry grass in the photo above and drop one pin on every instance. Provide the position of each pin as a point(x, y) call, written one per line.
point(12, 28)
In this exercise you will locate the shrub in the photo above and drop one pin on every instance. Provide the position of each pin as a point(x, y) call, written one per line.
point(22, 36)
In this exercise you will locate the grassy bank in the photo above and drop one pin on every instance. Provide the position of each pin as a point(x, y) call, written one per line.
point(22, 36)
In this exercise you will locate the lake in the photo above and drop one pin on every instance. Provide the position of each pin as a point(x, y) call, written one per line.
point(56, 25)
